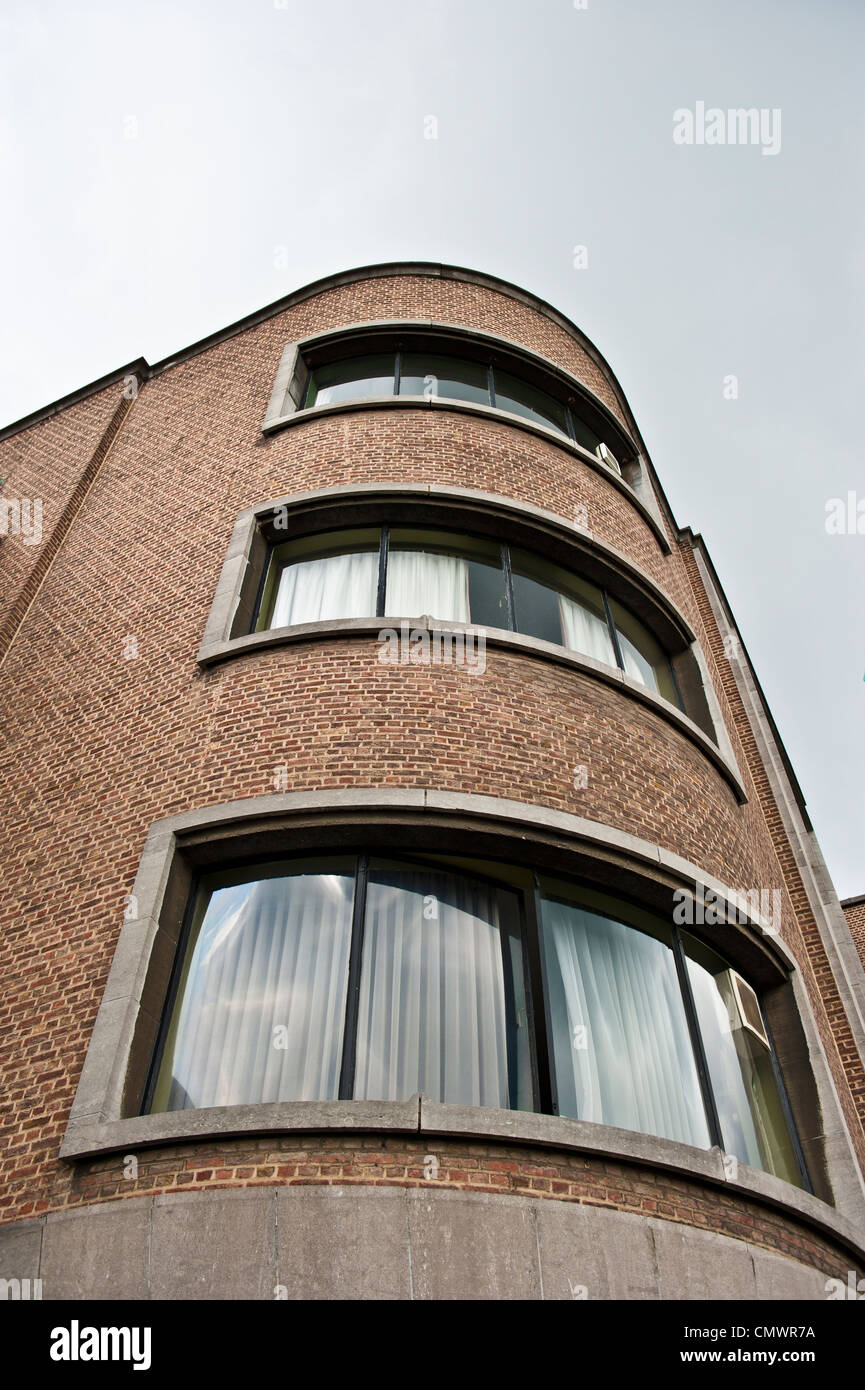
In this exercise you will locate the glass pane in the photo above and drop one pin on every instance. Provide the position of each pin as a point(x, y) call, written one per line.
point(478, 565)
point(522, 399)
point(644, 657)
point(753, 1124)
point(352, 380)
point(584, 619)
point(453, 378)
point(559, 607)
point(324, 577)
point(537, 612)
point(261, 1005)
point(442, 1003)
point(584, 434)
point(621, 1048)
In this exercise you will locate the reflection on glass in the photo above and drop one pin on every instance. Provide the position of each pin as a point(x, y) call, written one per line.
point(753, 1124)
point(261, 1004)
point(442, 1002)
point(584, 435)
point(520, 398)
point(559, 607)
point(644, 658)
point(352, 380)
point(453, 378)
point(536, 600)
point(621, 1048)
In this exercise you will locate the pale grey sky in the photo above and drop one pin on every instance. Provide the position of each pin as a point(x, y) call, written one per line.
point(169, 168)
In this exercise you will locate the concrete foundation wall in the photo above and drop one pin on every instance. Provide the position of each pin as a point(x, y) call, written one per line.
point(385, 1243)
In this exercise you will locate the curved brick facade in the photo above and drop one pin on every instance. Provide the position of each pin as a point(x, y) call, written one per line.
point(140, 499)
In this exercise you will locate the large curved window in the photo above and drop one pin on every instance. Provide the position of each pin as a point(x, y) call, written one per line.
point(363, 977)
point(473, 380)
point(410, 572)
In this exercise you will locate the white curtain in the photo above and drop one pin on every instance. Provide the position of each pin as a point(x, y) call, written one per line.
point(622, 1050)
point(434, 1010)
point(419, 584)
point(339, 586)
point(261, 1013)
point(636, 664)
point(586, 633)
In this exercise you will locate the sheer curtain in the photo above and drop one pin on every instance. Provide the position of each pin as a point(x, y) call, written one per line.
point(586, 633)
point(269, 955)
point(633, 1067)
point(338, 586)
point(420, 584)
point(636, 664)
point(441, 992)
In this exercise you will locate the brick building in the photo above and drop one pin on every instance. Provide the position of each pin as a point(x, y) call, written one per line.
point(407, 891)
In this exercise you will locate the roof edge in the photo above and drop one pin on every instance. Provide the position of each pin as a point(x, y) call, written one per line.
point(381, 270)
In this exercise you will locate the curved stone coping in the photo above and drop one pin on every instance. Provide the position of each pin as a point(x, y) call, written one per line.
point(486, 412)
point(423, 1117)
point(495, 637)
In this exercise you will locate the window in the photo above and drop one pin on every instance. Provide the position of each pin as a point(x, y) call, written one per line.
point(455, 378)
point(741, 1066)
point(323, 577)
point(475, 380)
point(622, 1053)
point(370, 980)
point(410, 572)
point(351, 381)
point(373, 978)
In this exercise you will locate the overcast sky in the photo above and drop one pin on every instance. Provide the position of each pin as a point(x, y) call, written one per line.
point(168, 168)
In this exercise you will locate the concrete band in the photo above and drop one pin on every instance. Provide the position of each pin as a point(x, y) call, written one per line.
point(314, 1242)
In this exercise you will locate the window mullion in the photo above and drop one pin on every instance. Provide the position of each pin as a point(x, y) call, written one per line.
point(491, 385)
point(355, 963)
point(539, 996)
point(676, 686)
point(614, 636)
point(397, 372)
point(711, 1109)
point(382, 572)
point(509, 587)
